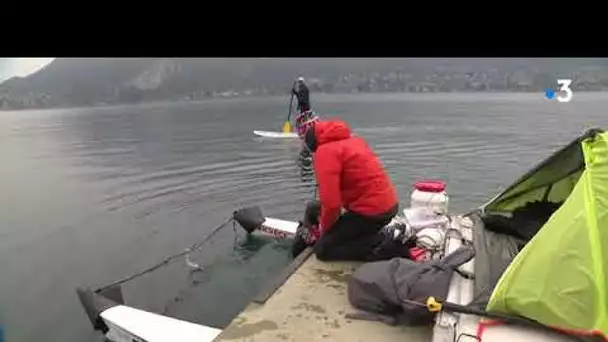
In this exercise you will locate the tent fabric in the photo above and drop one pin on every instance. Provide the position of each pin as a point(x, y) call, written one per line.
point(493, 254)
point(559, 277)
point(552, 180)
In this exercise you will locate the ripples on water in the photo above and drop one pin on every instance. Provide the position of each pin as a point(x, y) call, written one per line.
point(92, 195)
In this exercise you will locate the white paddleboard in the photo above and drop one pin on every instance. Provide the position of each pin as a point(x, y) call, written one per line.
point(127, 324)
point(269, 134)
point(279, 228)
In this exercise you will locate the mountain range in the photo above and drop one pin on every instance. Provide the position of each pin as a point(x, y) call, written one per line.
point(69, 82)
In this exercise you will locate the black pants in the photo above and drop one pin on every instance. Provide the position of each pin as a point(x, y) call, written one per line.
point(353, 237)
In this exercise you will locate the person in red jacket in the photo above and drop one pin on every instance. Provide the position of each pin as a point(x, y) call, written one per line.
point(350, 177)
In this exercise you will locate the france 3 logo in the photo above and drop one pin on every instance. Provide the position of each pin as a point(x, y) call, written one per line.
point(563, 93)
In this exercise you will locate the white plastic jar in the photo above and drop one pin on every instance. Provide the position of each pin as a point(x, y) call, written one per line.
point(430, 194)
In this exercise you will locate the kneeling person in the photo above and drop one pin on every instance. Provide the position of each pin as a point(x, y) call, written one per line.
point(350, 177)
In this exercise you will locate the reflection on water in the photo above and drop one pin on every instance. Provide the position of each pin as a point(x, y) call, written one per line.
point(243, 265)
point(94, 195)
point(307, 172)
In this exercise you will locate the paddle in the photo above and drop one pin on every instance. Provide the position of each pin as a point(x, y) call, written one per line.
point(287, 124)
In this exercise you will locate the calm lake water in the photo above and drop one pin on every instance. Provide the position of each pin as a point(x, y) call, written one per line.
point(89, 196)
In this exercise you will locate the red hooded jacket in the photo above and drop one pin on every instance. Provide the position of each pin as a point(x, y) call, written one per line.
point(349, 174)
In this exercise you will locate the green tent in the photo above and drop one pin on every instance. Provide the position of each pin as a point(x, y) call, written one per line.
point(559, 278)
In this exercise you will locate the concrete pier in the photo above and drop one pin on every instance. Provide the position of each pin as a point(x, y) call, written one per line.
point(311, 306)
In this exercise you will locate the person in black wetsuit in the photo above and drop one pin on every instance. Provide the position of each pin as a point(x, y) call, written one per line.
point(302, 94)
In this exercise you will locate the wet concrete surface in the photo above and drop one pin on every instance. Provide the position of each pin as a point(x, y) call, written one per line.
point(311, 306)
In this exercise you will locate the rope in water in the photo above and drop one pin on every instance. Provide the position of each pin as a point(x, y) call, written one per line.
point(174, 257)
point(170, 258)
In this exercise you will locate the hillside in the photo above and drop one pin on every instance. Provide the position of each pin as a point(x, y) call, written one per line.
point(96, 81)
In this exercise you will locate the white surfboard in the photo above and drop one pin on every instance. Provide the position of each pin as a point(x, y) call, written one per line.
point(269, 134)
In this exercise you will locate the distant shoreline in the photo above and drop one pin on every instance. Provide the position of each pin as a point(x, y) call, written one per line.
point(286, 96)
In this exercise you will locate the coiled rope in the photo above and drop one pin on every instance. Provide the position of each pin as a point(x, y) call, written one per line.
point(167, 260)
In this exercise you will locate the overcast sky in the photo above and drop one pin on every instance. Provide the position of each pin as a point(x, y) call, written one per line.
point(10, 67)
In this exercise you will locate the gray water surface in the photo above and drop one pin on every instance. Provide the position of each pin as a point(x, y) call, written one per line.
point(89, 196)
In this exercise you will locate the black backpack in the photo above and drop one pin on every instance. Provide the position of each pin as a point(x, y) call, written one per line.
point(396, 290)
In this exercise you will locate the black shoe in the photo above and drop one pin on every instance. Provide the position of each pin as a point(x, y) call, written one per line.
point(300, 241)
point(399, 233)
point(394, 243)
